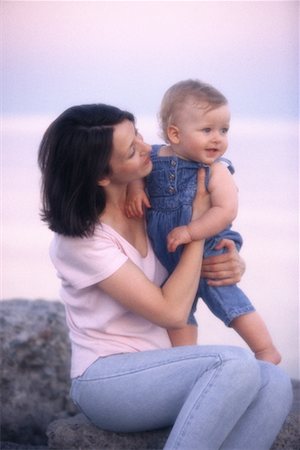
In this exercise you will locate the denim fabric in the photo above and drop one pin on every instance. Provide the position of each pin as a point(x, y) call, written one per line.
point(215, 397)
point(171, 187)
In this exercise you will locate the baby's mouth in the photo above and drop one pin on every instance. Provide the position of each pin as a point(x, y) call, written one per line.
point(212, 150)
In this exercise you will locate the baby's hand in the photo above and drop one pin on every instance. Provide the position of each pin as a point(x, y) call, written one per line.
point(135, 203)
point(178, 236)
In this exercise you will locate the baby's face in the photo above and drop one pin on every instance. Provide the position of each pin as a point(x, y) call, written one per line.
point(203, 132)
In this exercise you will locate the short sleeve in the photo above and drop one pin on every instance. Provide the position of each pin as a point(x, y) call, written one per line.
point(82, 262)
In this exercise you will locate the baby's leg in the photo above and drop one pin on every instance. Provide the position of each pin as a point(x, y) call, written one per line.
point(253, 330)
point(187, 335)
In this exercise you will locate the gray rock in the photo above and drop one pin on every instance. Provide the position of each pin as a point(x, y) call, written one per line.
point(78, 433)
point(15, 446)
point(289, 436)
point(35, 369)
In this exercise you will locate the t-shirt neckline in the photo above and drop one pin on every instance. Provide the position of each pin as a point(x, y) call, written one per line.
point(110, 229)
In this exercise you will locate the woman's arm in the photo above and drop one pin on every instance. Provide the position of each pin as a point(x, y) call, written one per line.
point(167, 306)
point(225, 269)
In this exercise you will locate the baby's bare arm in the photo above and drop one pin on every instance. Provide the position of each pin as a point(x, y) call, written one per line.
point(224, 199)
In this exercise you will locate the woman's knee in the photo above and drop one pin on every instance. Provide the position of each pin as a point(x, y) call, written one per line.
point(247, 370)
point(240, 370)
point(278, 386)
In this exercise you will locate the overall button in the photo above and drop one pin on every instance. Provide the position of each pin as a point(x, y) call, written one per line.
point(171, 190)
point(173, 163)
point(171, 176)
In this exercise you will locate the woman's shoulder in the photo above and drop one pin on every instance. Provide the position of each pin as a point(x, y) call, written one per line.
point(80, 260)
point(102, 237)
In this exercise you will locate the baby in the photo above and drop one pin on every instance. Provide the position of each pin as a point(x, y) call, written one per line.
point(195, 120)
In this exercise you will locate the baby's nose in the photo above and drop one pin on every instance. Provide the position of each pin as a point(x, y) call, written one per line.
point(216, 136)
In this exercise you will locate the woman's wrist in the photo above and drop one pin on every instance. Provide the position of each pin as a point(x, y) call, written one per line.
point(189, 232)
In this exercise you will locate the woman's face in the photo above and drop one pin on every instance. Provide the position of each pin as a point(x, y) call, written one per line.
point(130, 156)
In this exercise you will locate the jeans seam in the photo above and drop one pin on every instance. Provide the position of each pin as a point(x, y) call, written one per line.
point(216, 371)
point(146, 367)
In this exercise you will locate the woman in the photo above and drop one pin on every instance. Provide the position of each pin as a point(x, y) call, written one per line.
point(125, 374)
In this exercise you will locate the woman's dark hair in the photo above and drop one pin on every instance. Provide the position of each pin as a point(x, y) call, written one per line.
point(74, 155)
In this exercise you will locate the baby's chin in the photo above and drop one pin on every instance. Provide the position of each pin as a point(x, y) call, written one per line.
point(207, 161)
point(210, 158)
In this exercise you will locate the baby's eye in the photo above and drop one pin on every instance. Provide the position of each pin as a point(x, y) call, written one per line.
point(206, 130)
point(224, 130)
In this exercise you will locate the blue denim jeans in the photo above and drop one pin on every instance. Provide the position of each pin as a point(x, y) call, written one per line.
point(214, 397)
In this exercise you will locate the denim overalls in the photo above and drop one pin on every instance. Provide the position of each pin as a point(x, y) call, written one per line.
point(171, 188)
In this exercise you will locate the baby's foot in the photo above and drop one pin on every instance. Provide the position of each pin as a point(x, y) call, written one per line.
point(270, 354)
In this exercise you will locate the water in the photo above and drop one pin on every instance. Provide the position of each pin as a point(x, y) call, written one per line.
point(265, 157)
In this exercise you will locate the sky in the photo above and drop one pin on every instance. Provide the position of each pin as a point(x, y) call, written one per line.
point(56, 54)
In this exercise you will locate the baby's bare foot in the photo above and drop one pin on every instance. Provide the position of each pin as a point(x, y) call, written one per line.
point(270, 354)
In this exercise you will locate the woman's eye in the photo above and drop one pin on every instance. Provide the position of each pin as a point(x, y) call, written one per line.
point(132, 153)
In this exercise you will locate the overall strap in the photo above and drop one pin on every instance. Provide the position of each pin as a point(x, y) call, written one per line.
point(227, 163)
point(155, 149)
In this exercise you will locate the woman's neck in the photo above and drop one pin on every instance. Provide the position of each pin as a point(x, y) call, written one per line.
point(132, 229)
point(115, 205)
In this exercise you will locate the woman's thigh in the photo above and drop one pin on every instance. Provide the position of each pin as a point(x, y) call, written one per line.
point(147, 390)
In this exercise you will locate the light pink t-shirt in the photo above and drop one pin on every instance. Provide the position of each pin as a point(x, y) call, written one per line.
point(98, 325)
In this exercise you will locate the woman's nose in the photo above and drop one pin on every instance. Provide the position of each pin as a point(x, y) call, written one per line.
point(144, 148)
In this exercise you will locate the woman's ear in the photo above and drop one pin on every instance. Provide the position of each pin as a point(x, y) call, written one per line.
point(104, 182)
point(173, 134)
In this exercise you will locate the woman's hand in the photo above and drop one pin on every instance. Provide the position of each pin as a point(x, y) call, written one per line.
point(225, 269)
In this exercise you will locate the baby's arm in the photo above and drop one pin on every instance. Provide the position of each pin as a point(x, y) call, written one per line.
point(224, 200)
point(136, 199)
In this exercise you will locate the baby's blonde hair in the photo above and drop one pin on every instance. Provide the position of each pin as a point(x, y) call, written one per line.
point(179, 93)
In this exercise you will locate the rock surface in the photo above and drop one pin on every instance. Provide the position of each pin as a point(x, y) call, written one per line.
point(77, 433)
point(35, 369)
point(35, 389)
